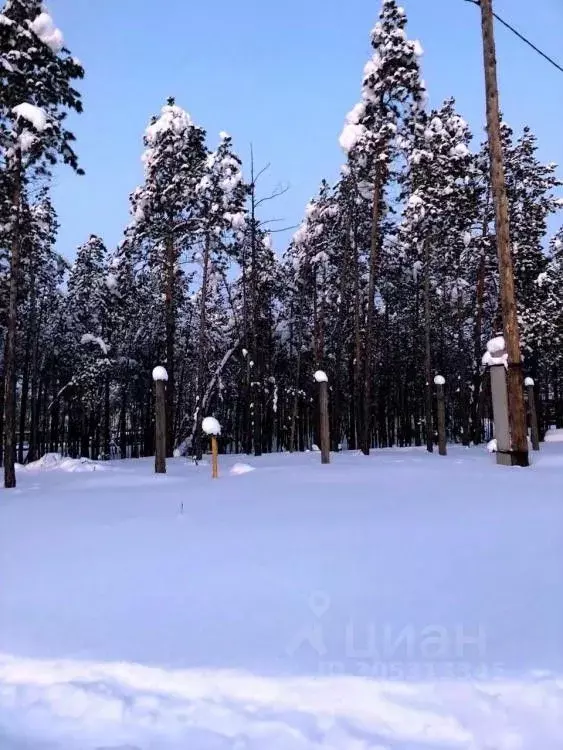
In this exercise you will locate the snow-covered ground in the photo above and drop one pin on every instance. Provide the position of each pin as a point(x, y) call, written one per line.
point(404, 601)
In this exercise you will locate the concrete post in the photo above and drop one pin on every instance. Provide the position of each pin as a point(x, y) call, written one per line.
point(496, 359)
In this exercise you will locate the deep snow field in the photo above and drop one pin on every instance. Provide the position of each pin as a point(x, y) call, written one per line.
point(401, 602)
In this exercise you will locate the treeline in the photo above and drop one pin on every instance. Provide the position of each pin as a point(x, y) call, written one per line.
point(390, 279)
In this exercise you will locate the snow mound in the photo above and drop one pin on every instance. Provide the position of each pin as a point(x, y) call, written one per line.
point(53, 461)
point(81, 465)
point(130, 706)
point(492, 446)
point(241, 469)
point(554, 436)
point(48, 461)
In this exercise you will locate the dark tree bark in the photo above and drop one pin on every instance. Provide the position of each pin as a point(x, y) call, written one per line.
point(11, 331)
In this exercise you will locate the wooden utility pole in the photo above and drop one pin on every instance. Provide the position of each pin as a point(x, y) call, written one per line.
point(516, 405)
point(160, 376)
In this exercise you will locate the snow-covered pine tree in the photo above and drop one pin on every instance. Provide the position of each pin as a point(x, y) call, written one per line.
point(530, 185)
point(547, 326)
point(89, 312)
point(392, 88)
point(41, 273)
point(166, 218)
point(438, 214)
point(37, 75)
point(221, 194)
point(316, 265)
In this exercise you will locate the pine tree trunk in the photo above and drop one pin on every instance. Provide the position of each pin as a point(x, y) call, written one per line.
point(475, 430)
point(295, 409)
point(54, 436)
point(357, 429)
point(24, 399)
point(123, 422)
point(170, 320)
point(2, 404)
point(427, 352)
point(202, 348)
point(257, 370)
point(10, 371)
point(107, 419)
point(370, 317)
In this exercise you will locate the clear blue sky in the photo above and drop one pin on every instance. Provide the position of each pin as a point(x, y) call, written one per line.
point(281, 75)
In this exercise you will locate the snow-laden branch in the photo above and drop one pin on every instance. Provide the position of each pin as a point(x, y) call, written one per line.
point(89, 338)
point(201, 408)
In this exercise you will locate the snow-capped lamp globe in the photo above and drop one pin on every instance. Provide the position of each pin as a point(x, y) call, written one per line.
point(212, 428)
point(159, 373)
point(321, 376)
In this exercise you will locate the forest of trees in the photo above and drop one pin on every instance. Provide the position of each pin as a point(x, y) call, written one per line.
point(391, 277)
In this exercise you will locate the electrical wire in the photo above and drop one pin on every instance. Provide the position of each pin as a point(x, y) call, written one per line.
point(522, 38)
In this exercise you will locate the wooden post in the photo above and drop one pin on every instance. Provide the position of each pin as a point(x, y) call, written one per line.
point(212, 428)
point(214, 457)
point(440, 381)
point(160, 376)
point(322, 380)
point(529, 383)
point(515, 392)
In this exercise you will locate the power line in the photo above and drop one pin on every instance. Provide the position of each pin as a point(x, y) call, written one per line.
point(522, 38)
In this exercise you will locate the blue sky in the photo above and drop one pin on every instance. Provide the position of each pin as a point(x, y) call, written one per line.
point(281, 75)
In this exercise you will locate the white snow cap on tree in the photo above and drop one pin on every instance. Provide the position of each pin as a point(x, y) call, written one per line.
point(34, 115)
point(529, 381)
point(211, 426)
point(393, 72)
point(172, 117)
point(46, 30)
point(439, 380)
point(159, 373)
point(321, 376)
